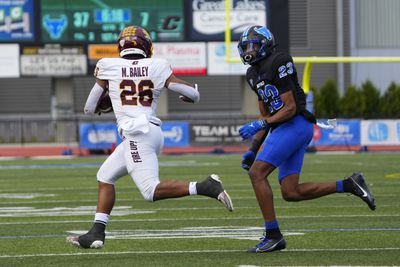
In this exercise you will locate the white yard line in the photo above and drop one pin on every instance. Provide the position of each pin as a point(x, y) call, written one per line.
point(190, 252)
point(114, 220)
point(187, 199)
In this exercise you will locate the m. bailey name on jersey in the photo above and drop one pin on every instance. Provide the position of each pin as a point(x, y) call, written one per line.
point(134, 72)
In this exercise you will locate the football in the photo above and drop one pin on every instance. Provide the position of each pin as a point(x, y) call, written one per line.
point(104, 105)
point(185, 99)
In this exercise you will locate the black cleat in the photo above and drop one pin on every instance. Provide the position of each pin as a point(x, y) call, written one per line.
point(88, 240)
point(268, 245)
point(360, 189)
point(212, 187)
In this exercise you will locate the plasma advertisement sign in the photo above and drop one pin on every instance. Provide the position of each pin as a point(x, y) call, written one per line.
point(185, 58)
point(77, 21)
point(17, 20)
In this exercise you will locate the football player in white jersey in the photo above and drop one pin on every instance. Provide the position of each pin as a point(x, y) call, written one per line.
point(134, 82)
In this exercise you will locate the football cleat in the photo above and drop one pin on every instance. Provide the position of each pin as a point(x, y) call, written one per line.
point(89, 240)
point(361, 190)
point(268, 245)
point(212, 187)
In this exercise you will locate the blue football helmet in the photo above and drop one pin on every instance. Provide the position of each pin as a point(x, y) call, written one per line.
point(256, 43)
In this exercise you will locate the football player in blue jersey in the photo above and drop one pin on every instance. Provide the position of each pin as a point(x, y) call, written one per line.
point(284, 130)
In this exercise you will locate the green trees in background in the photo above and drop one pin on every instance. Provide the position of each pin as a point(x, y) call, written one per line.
point(372, 101)
point(391, 102)
point(326, 100)
point(365, 102)
point(352, 104)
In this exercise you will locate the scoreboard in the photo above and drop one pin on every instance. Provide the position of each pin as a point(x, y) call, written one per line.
point(100, 21)
point(17, 20)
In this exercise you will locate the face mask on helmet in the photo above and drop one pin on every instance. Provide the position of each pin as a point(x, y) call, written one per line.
point(135, 41)
point(255, 44)
point(249, 50)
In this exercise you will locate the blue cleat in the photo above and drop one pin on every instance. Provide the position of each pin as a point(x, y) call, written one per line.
point(268, 245)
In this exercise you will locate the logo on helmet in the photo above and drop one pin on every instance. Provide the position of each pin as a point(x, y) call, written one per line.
point(265, 32)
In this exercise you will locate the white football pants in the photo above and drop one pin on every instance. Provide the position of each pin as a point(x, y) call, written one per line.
point(136, 156)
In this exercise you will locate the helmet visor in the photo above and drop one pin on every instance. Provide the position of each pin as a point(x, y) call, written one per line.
point(250, 46)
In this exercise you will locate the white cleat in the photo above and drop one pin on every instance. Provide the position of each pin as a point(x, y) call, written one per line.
point(226, 200)
point(74, 241)
point(223, 196)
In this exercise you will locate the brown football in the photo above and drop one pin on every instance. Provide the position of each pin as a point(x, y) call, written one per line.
point(104, 105)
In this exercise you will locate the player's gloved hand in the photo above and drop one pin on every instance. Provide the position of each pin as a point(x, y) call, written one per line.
point(251, 128)
point(248, 159)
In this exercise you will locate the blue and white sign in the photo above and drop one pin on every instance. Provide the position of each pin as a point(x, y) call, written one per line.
point(346, 133)
point(98, 135)
point(17, 20)
point(380, 132)
point(105, 135)
point(216, 58)
point(398, 131)
point(176, 134)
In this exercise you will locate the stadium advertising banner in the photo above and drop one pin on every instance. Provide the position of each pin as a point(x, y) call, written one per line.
point(53, 60)
point(17, 20)
point(212, 134)
point(105, 135)
point(99, 51)
point(217, 64)
point(9, 60)
point(98, 135)
point(176, 134)
point(208, 20)
point(185, 58)
point(346, 133)
point(102, 21)
point(380, 132)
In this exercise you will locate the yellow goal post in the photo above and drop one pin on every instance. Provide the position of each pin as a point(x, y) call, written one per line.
point(308, 61)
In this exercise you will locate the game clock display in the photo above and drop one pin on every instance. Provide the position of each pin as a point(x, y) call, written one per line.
point(100, 21)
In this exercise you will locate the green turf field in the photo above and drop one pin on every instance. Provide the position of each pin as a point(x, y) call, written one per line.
point(43, 201)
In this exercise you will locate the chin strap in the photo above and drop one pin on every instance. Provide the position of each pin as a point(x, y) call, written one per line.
point(130, 51)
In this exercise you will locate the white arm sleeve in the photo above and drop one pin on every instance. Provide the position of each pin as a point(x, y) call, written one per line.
point(93, 99)
point(186, 90)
